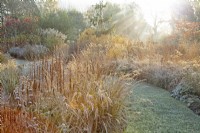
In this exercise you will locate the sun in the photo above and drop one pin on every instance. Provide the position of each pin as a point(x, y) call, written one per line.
point(156, 8)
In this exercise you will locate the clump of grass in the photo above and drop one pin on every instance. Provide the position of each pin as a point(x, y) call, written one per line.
point(9, 77)
point(99, 101)
point(3, 58)
point(79, 97)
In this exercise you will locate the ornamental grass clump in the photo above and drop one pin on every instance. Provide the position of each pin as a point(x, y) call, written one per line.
point(78, 97)
point(9, 77)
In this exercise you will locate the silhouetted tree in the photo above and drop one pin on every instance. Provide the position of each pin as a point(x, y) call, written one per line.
point(96, 18)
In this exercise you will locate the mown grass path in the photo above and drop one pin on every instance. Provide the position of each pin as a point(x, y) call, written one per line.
point(153, 110)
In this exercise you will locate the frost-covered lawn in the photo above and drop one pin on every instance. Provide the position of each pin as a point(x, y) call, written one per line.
point(153, 110)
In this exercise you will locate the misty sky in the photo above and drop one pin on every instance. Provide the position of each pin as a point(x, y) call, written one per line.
point(82, 5)
point(149, 7)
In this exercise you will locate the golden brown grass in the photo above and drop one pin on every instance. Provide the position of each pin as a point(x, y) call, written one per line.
point(18, 121)
point(83, 96)
point(163, 65)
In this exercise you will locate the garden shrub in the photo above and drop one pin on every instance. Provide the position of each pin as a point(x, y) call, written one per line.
point(191, 75)
point(15, 26)
point(33, 52)
point(52, 38)
point(29, 52)
point(19, 32)
point(22, 39)
point(69, 22)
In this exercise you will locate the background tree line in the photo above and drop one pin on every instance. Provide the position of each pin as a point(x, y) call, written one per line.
point(109, 18)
